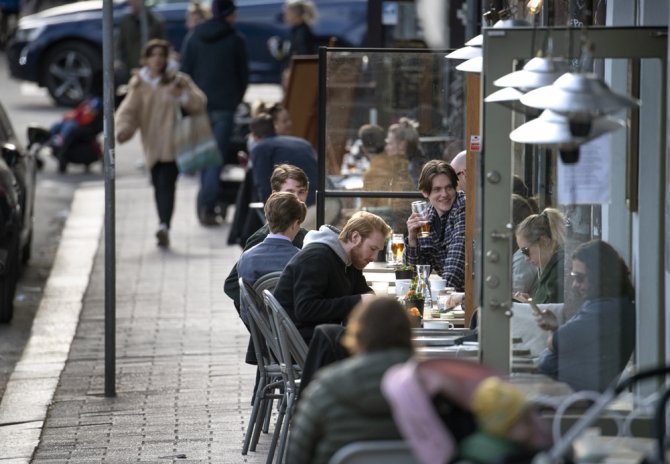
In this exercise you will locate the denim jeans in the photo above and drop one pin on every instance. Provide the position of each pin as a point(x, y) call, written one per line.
point(222, 123)
point(164, 180)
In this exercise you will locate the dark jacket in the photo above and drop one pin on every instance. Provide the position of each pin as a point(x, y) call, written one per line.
point(214, 54)
point(592, 348)
point(303, 41)
point(231, 286)
point(275, 150)
point(343, 404)
point(128, 48)
point(550, 286)
point(319, 285)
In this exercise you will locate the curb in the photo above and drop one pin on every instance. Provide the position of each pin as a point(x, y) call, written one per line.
point(32, 385)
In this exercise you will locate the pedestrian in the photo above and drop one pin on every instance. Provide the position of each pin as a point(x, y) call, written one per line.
point(128, 39)
point(215, 55)
point(196, 14)
point(155, 94)
point(299, 15)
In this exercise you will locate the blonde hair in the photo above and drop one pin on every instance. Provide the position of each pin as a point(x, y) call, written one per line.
point(407, 130)
point(549, 223)
point(304, 9)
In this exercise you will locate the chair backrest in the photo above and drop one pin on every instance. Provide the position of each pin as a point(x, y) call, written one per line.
point(267, 282)
point(294, 341)
point(373, 452)
point(266, 344)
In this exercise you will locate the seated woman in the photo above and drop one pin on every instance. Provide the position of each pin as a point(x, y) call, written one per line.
point(343, 403)
point(540, 238)
point(590, 350)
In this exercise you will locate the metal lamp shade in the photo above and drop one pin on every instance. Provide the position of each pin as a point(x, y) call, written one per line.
point(473, 65)
point(538, 72)
point(579, 96)
point(464, 53)
point(509, 98)
point(476, 41)
point(556, 130)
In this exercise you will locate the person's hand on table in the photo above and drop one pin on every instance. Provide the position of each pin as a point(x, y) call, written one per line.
point(455, 299)
point(414, 223)
point(521, 296)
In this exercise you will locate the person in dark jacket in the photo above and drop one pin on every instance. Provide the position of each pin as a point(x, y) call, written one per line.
point(214, 54)
point(591, 350)
point(285, 178)
point(324, 281)
point(271, 149)
point(128, 41)
point(344, 403)
point(299, 15)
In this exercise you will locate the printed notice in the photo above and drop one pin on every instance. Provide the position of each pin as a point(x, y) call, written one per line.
point(588, 180)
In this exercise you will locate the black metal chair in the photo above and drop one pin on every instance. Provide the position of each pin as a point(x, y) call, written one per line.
point(294, 353)
point(270, 377)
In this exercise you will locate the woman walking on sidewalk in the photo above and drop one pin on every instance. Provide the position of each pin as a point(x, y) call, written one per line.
point(155, 94)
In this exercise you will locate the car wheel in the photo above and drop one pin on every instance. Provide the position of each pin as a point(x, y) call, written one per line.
point(8, 285)
point(68, 72)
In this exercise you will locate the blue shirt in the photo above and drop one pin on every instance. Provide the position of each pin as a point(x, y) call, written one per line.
point(270, 255)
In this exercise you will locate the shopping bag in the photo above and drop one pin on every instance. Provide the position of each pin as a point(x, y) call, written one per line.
point(196, 148)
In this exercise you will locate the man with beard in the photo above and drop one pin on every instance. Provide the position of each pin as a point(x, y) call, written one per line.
point(324, 281)
point(444, 246)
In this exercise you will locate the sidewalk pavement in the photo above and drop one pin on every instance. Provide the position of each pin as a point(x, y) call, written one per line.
point(183, 390)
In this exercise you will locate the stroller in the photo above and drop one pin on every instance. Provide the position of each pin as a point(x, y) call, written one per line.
point(74, 139)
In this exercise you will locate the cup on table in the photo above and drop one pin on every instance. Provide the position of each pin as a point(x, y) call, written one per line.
point(437, 284)
point(380, 288)
point(402, 286)
point(421, 207)
point(397, 247)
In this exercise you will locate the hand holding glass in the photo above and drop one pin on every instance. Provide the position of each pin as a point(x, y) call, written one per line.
point(421, 208)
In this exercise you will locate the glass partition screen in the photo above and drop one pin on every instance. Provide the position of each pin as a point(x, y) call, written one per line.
point(384, 113)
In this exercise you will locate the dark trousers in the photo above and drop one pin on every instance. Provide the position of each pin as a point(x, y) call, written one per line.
point(164, 179)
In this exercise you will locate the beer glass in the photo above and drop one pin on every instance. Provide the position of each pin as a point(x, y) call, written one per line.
point(421, 208)
point(398, 246)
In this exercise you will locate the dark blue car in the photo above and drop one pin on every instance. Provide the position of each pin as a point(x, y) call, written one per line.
point(61, 48)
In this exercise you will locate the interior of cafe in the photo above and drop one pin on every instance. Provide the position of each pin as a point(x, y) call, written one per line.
point(562, 113)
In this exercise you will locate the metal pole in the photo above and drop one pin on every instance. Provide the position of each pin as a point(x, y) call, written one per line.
point(109, 92)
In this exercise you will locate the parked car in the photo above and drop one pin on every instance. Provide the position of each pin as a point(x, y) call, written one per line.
point(17, 197)
point(61, 48)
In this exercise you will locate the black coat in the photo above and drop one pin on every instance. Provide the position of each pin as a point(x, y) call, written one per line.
point(317, 287)
point(214, 54)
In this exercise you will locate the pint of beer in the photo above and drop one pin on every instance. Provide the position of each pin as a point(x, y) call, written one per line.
point(421, 207)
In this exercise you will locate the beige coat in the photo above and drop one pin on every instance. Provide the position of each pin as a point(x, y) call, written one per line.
point(153, 110)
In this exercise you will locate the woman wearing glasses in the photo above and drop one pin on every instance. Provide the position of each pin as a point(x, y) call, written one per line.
point(590, 350)
point(540, 238)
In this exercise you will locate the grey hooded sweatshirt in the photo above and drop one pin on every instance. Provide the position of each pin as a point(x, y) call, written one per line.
point(319, 285)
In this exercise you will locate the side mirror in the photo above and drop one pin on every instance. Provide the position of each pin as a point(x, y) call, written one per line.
point(38, 134)
point(10, 154)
